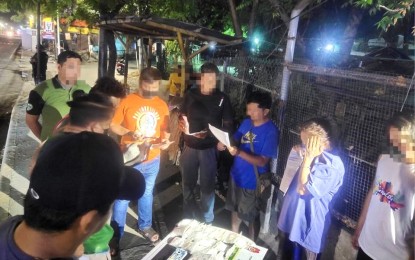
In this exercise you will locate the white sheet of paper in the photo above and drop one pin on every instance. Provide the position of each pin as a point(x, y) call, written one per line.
point(222, 136)
point(293, 163)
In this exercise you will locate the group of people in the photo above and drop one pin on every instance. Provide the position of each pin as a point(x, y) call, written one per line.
point(78, 173)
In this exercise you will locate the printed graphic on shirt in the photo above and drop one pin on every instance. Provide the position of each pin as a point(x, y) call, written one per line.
point(29, 107)
point(146, 121)
point(383, 189)
point(248, 137)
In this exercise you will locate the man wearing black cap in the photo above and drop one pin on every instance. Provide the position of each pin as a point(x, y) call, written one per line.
point(73, 185)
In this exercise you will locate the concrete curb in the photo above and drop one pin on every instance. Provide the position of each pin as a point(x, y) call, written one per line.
point(19, 146)
point(15, 50)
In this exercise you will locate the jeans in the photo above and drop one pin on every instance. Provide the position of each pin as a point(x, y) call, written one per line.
point(193, 162)
point(150, 171)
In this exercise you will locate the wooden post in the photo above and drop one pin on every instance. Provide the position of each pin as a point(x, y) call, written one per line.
point(149, 54)
point(183, 63)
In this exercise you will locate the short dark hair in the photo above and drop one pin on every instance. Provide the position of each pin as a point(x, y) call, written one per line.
point(110, 87)
point(149, 75)
point(92, 107)
point(209, 67)
point(46, 219)
point(404, 120)
point(63, 56)
point(264, 100)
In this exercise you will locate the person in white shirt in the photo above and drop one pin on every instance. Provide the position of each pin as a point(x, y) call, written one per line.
point(385, 229)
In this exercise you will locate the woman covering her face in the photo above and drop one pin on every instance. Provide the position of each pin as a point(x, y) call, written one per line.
point(305, 215)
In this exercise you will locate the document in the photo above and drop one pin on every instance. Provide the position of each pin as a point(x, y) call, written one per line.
point(222, 136)
point(293, 163)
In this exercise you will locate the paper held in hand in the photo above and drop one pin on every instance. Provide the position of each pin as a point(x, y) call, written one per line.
point(293, 163)
point(222, 136)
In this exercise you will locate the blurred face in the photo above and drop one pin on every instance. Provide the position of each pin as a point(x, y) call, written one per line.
point(402, 140)
point(394, 136)
point(149, 89)
point(208, 83)
point(69, 71)
point(255, 113)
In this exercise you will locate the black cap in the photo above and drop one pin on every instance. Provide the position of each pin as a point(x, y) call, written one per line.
point(81, 172)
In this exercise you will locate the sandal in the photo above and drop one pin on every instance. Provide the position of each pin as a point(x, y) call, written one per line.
point(149, 234)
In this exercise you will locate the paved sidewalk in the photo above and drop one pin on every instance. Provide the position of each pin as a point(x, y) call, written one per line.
point(19, 147)
point(20, 144)
point(14, 182)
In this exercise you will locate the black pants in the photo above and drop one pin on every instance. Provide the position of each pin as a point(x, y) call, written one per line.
point(361, 255)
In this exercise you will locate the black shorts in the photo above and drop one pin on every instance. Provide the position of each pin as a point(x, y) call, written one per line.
point(241, 200)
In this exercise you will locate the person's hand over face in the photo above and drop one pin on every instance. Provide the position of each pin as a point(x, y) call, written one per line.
point(314, 147)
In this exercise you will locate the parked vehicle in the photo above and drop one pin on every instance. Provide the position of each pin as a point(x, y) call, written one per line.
point(120, 66)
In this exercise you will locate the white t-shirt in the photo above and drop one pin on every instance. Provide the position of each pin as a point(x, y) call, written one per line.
point(391, 211)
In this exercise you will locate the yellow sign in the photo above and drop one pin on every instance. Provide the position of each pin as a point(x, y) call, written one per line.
point(80, 30)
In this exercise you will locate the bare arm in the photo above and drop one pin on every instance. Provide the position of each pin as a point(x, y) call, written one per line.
point(119, 130)
point(257, 160)
point(362, 219)
point(32, 121)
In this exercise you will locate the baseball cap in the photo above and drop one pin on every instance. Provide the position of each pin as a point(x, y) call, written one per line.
point(82, 172)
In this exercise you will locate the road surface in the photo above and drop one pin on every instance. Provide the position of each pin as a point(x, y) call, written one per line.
point(10, 84)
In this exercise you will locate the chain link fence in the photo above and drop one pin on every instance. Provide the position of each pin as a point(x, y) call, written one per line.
point(359, 102)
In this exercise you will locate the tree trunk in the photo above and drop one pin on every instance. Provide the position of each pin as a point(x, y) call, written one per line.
point(102, 57)
point(112, 51)
point(349, 34)
point(235, 20)
point(251, 25)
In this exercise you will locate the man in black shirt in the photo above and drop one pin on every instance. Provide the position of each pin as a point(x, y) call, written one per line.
point(202, 106)
point(43, 65)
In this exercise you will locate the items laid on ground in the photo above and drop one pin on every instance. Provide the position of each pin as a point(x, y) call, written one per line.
point(194, 240)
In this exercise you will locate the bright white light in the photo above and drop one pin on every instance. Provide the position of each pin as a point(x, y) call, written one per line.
point(256, 40)
point(329, 47)
point(212, 45)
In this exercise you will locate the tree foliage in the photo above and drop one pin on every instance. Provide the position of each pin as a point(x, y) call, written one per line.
point(393, 10)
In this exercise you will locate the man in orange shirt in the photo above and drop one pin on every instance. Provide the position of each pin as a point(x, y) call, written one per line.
point(143, 117)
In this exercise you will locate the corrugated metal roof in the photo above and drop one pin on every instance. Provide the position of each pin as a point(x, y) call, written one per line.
point(163, 28)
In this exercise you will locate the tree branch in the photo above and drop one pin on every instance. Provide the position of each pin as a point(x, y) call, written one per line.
point(389, 10)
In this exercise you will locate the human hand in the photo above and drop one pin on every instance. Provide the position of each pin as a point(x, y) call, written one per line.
point(233, 150)
point(314, 147)
point(202, 134)
point(221, 147)
point(184, 124)
point(165, 144)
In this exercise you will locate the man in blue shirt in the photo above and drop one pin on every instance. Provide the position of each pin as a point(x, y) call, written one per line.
point(258, 141)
